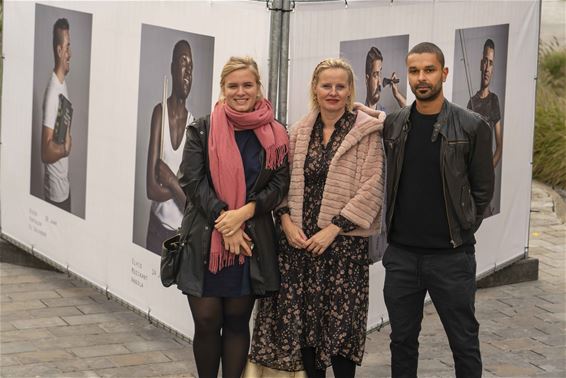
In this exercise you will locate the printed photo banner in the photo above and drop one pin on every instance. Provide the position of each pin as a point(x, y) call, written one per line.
point(104, 221)
point(367, 30)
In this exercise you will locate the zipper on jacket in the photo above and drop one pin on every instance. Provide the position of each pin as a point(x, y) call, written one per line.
point(442, 152)
point(396, 185)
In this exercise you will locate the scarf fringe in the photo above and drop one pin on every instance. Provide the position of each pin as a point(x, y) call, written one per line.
point(221, 258)
point(276, 156)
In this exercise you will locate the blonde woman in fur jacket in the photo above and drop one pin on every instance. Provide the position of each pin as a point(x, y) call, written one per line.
point(318, 319)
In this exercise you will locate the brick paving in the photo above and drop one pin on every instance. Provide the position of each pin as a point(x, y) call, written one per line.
point(55, 326)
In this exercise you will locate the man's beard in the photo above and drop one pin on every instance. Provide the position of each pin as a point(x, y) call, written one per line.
point(375, 96)
point(485, 81)
point(431, 95)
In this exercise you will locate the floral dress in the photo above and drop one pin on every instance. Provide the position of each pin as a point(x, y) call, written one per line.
point(323, 300)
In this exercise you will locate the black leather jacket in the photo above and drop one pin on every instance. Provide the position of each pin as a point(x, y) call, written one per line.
point(465, 164)
point(203, 207)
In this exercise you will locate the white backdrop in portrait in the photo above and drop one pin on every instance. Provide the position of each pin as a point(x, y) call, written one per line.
point(78, 82)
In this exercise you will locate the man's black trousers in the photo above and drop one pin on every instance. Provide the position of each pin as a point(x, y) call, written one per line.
point(450, 279)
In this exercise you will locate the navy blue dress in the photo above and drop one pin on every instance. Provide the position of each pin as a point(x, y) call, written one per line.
point(234, 281)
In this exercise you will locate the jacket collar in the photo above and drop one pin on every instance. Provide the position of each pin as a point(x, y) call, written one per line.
point(364, 125)
point(441, 124)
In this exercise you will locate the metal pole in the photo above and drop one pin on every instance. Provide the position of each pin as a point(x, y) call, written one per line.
point(284, 63)
point(274, 50)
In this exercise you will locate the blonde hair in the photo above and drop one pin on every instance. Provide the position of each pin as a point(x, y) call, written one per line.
point(236, 63)
point(327, 64)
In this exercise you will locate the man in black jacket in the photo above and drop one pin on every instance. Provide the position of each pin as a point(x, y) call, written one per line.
point(440, 180)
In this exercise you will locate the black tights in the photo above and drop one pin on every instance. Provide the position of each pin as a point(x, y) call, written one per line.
point(341, 366)
point(221, 332)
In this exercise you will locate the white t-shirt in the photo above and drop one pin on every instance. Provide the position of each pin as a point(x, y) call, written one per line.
point(56, 179)
point(168, 212)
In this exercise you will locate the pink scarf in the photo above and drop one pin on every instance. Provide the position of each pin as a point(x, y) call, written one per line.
point(225, 161)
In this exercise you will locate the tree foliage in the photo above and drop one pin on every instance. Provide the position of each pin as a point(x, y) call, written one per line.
point(549, 155)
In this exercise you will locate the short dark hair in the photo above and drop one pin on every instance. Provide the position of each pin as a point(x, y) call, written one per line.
point(428, 47)
point(60, 25)
point(179, 46)
point(373, 55)
point(489, 44)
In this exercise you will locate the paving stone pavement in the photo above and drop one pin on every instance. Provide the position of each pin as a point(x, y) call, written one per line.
point(55, 326)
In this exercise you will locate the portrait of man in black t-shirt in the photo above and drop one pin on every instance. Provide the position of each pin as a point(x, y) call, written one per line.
point(486, 103)
point(482, 89)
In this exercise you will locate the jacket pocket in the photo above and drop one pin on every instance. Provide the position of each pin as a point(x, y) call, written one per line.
point(457, 157)
point(467, 207)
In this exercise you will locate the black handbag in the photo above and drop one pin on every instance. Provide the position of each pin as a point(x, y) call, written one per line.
point(171, 251)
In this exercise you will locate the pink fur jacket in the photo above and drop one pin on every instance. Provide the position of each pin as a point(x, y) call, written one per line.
point(354, 186)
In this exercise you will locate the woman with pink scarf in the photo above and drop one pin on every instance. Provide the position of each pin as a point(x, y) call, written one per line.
point(234, 173)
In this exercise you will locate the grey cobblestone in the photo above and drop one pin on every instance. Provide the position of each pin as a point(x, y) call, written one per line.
point(100, 350)
point(89, 319)
point(63, 302)
point(33, 370)
point(139, 359)
point(25, 335)
point(22, 305)
point(47, 312)
point(81, 364)
point(79, 330)
point(16, 347)
point(38, 323)
point(75, 374)
point(145, 346)
point(7, 360)
point(5, 325)
point(33, 295)
point(43, 356)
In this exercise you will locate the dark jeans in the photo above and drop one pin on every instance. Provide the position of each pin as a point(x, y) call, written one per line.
point(65, 205)
point(450, 280)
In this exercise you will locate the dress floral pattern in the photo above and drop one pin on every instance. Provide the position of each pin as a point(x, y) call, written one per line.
point(323, 300)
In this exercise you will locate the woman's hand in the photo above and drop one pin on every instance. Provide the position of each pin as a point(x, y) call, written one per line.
point(318, 243)
point(294, 234)
point(239, 242)
point(228, 222)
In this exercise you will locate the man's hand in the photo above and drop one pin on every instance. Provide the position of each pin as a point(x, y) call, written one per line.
point(294, 234)
point(369, 111)
point(401, 100)
point(238, 243)
point(68, 142)
point(320, 241)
